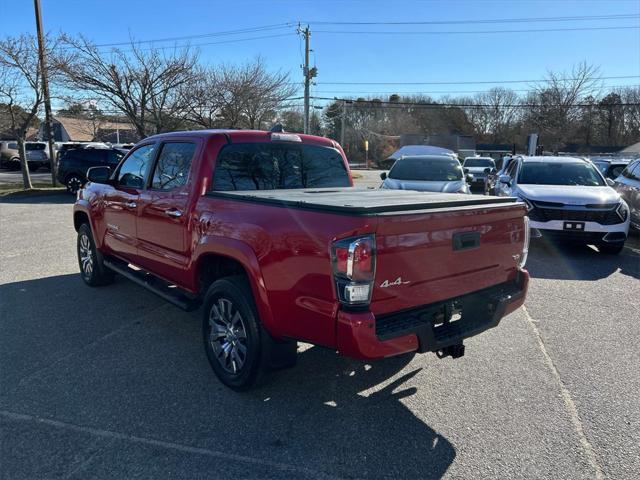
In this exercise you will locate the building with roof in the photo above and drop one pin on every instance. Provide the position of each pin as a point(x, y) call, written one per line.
point(74, 129)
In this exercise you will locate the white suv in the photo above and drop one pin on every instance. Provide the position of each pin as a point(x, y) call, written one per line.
point(568, 199)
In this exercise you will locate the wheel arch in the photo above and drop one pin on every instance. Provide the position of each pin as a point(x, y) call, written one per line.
point(229, 257)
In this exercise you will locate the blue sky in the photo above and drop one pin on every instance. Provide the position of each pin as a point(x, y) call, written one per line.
point(366, 57)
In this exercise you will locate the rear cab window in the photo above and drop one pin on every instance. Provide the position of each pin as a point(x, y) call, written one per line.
point(274, 166)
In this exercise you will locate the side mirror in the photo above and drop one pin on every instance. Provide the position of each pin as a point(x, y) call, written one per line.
point(468, 177)
point(505, 179)
point(465, 170)
point(99, 174)
point(383, 175)
point(610, 182)
point(487, 170)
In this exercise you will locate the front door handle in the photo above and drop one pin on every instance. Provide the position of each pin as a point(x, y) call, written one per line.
point(131, 204)
point(173, 212)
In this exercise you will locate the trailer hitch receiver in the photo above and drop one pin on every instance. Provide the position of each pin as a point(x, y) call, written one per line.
point(453, 351)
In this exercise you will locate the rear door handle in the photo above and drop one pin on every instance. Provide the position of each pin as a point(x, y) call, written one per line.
point(173, 212)
point(131, 204)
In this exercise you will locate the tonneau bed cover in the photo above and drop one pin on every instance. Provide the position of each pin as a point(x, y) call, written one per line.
point(361, 201)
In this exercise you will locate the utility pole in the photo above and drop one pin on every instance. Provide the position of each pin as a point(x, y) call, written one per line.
point(45, 92)
point(308, 74)
point(342, 122)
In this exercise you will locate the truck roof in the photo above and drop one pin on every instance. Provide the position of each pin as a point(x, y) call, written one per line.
point(238, 136)
point(357, 201)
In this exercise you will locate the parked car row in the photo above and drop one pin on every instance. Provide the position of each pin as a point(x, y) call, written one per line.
point(38, 153)
point(567, 198)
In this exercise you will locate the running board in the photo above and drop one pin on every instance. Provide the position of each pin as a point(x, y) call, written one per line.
point(171, 294)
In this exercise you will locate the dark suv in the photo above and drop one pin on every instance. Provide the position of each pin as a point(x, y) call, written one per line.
point(73, 164)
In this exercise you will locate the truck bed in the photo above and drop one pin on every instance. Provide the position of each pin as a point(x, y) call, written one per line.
point(358, 201)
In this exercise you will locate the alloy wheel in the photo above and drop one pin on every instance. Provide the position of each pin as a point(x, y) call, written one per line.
point(228, 335)
point(86, 256)
point(74, 184)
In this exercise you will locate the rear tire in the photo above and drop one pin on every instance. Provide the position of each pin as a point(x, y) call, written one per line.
point(611, 248)
point(237, 346)
point(90, 260)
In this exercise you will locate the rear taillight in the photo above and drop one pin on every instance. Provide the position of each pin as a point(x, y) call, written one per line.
point(525, 246)
point(354, 268)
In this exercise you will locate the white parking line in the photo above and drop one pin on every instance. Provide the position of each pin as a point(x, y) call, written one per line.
point(162, 444)
point(569, 404)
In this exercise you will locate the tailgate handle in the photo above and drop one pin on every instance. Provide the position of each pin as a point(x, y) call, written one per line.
point(466, 240)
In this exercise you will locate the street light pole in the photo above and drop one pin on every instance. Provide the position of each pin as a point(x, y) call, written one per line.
point(45, 92)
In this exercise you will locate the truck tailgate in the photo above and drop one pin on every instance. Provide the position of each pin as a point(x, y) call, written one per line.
point(427, 257)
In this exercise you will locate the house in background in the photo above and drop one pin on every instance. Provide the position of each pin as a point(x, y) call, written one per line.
point(74, 129)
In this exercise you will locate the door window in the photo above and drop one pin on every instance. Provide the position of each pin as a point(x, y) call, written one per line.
point(511, 170)
point(172, 167)
point(134, 169)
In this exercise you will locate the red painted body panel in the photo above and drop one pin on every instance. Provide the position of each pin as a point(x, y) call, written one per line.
point(286, 251)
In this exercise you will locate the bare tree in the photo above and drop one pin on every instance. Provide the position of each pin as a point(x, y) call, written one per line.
point(144, 84)
point(235, 96)
point(267, 92)
point(21, 90)
point(554, 111)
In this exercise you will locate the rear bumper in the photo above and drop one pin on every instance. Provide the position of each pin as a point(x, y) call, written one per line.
point(593, 232)
point(362, 335)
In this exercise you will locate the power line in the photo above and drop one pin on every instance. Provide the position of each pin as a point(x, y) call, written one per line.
point(396, 92)
point(475, 21)
point(203, 35)
point(472, 32)
point(471, 82)
point(188, 45)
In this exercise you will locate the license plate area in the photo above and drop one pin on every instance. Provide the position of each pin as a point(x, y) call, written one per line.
point(573, 226)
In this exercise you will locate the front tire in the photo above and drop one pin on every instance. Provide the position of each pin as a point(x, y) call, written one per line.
point(611, 248)
point(73, 183)
point(90, 260)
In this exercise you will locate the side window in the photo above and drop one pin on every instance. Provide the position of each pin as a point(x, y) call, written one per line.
point(632, 171)
point(172, 167)
point(133, 170)
point(511, 169)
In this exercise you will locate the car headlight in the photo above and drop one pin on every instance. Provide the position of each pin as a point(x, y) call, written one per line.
point(623, 210)
point(527, 203)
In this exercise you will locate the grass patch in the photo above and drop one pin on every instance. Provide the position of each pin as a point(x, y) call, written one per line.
point(16, 189)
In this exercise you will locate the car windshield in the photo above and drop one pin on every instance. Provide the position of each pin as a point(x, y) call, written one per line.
point(602, 166)
point(35, 146)
point(426, 169)
point(479, 162)
point(555, 173)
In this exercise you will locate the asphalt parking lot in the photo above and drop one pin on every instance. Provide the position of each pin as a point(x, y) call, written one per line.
point(114, 383)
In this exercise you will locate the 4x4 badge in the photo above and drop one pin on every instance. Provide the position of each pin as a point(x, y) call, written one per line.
point(397, 281)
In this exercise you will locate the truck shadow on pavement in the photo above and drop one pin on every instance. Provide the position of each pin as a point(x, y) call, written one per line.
point(121, 360)
point(578, 262)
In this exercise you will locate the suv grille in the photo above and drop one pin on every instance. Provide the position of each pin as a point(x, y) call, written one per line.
point(602, 214)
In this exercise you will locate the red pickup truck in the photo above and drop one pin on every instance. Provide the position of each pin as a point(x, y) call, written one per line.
point(265, 231)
